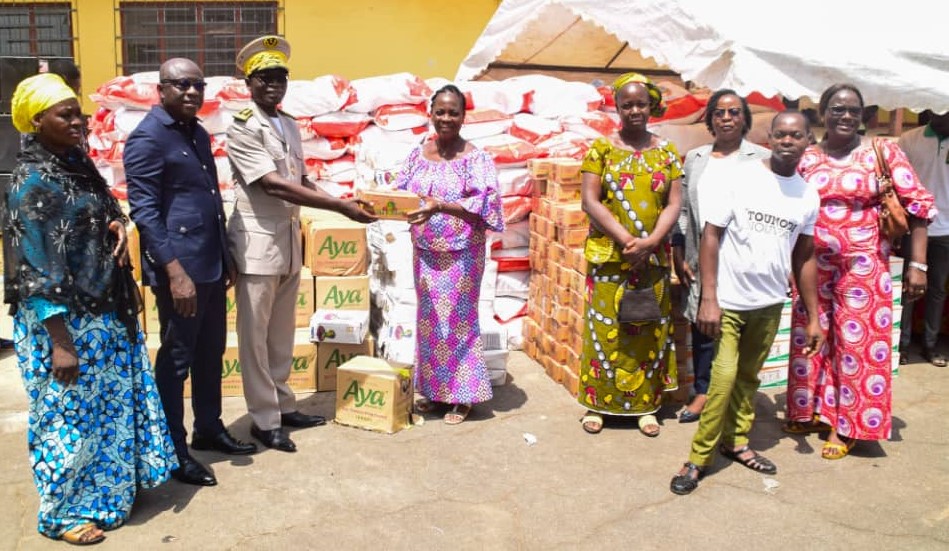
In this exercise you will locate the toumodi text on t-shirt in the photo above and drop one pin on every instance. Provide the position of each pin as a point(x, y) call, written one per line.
point(763, 216)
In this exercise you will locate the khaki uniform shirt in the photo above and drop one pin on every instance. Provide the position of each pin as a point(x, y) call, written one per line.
point(264, 231)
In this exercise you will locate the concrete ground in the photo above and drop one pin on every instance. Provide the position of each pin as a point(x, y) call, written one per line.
point(480, 485)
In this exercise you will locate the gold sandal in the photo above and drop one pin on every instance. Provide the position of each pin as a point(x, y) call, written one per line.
point(834, 451)
point(80, 535)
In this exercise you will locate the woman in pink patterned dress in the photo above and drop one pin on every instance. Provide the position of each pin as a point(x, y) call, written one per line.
point(845, 388)
point(458, 184)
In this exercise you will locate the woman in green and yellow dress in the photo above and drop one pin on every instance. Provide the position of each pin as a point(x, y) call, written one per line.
point(631, 192)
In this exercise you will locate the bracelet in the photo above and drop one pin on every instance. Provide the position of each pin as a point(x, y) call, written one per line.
point(918, 265)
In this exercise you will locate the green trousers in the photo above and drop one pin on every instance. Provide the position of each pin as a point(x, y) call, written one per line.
point(740, 352)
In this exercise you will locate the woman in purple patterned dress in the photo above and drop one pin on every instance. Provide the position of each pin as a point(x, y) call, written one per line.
point(458, 186)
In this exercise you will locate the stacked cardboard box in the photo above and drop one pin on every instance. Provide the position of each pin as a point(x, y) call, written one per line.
point(373, 394)
point(335, 265)
point(336, 252)
point(303, 376)
point(896, 274)
point(333, 244)
point(553, 332)
point(302, 369)
point(774, 372)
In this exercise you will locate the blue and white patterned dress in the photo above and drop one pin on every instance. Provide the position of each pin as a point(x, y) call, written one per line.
point(91, 443)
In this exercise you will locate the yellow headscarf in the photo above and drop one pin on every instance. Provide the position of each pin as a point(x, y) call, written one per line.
point(657, 108)
point(37, 94)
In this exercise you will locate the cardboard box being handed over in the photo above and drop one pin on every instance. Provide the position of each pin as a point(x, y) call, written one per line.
point(391, 204)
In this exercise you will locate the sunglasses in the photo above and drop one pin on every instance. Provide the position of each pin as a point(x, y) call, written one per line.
point(839, 110)
point(272, 80)
point(185, 84)
point(732, 112)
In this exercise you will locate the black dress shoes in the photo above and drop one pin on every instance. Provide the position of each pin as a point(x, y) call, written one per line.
point(276, 439)
point(224, 443)
point(190, 471)
point(301, 420)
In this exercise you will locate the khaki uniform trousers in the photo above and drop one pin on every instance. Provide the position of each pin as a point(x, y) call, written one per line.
point(266, 324)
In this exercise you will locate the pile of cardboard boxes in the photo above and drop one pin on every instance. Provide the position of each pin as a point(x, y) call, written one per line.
point(302, 375)
point(371, 393)
point(335, 252)
point(774, 373)
point(333, 278)
point(333, 308)
point(553, 331)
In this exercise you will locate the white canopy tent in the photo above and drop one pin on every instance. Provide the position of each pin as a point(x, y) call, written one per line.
point(897, 60)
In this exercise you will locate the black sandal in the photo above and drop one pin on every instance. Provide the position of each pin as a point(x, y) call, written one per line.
point(684, 484)
point(756, 462)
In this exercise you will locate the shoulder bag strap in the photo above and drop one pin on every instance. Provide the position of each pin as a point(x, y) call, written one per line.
point(881, 168)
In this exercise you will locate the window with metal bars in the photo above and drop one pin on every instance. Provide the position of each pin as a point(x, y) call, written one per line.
point(36, 29)
point(210, 33)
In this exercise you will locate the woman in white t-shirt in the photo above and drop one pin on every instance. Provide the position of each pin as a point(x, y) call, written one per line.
point(707, 170)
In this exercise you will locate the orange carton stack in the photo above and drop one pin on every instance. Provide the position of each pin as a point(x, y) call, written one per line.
point(553, 330)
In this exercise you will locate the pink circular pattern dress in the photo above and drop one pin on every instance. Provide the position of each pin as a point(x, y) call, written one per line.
point(847, 384)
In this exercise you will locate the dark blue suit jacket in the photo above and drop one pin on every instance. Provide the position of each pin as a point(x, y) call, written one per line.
point(174, 199)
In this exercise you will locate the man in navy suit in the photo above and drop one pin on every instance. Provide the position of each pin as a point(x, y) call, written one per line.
point(175, 203)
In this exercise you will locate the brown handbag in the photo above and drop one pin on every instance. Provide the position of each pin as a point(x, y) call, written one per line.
point(894, 220)
point(639, 306)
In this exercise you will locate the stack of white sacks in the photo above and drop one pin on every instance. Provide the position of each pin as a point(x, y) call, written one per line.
point(392, 286)
point(356, 131)
point(357, 134)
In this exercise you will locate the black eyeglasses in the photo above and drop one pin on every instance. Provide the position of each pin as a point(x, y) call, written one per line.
point(732, 112)
point(839, 110)
point(272, 80)
point(185, 84)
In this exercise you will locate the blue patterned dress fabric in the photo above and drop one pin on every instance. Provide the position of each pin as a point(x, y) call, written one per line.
point(94, 442)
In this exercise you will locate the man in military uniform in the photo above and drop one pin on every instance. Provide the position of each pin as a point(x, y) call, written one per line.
point(263, 145)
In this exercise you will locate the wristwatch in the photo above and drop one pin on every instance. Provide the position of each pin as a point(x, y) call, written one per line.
point(918, 265)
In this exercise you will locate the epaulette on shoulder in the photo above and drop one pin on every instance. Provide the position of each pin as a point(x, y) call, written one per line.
point(244, 114)
point(282, 112)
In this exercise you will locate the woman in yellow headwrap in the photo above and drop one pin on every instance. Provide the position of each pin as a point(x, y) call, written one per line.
point(631, 193)
point(96, 427)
